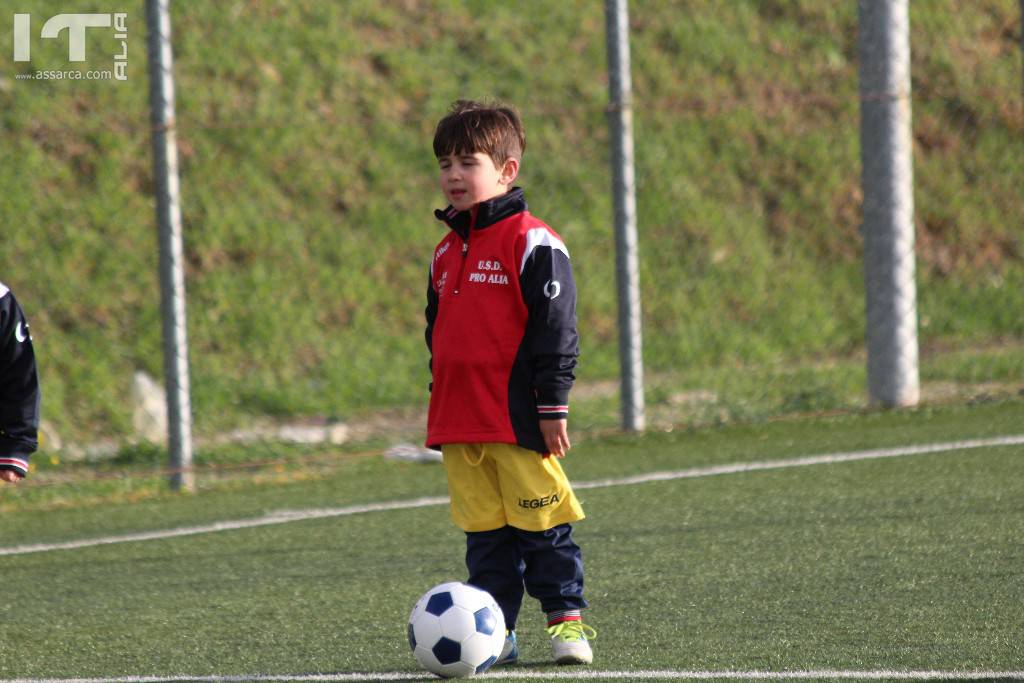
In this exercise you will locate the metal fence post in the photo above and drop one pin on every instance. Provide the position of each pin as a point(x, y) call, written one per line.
point(168, 214)
point(620, 117)
point(887, 180)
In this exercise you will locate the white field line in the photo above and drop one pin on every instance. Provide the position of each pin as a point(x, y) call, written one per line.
point(824, 459)
point(280, 517)
point(286, 516)
point(576, 674)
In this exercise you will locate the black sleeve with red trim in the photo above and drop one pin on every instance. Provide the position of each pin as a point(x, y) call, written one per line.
point(19, 388)
point(431, 315)
point(553, 343)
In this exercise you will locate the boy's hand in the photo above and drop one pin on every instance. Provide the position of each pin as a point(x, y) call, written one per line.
point(556, 436)
point(9, 475)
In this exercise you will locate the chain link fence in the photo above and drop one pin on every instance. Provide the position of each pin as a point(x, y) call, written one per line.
point(307, 186)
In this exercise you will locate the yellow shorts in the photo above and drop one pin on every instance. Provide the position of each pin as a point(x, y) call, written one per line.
point(497, 484)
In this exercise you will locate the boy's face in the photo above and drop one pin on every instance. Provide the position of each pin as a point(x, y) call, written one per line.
point(468, 179)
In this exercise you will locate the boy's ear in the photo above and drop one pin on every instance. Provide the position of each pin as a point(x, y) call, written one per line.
point(509, 171)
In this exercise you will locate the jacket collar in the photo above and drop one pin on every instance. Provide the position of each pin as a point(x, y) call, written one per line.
point(484, 214)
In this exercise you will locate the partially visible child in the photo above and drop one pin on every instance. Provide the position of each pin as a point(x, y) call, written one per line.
point(501, 329)
point(19, 391)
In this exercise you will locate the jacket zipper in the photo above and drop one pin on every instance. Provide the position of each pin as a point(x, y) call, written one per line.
point(462, 266)
point(465, 250)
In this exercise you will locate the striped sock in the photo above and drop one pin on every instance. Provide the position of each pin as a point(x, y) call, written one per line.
point(564, 615)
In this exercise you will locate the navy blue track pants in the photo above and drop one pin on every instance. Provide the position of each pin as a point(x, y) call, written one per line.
point(547, 564)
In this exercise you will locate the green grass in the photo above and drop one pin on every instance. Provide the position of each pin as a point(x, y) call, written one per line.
point(307, 190)
point(905, 563)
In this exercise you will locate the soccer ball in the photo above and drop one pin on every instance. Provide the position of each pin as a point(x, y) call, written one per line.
point(456, 630)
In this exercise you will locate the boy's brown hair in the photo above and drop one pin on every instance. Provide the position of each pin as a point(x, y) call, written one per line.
point(471, 127)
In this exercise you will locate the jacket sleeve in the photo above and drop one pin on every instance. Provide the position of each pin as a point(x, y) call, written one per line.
point(19, 388)
point(553, 343)
point(431, 315)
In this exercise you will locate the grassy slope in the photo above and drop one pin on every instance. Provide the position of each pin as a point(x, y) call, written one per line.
point(307, 189)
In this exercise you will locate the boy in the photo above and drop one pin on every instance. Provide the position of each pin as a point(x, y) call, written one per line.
point(19, 391)
point(501, 329)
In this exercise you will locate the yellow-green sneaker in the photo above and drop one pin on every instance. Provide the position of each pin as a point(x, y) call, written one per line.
point(569, 640)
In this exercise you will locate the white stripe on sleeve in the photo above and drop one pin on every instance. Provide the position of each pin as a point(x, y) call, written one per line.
point(538, 237)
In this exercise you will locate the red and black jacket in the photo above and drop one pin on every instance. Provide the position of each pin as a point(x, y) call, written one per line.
point(19, 387)
point(501, 326)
